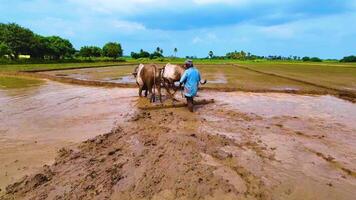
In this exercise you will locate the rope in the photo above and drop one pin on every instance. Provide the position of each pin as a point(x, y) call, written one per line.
point(154, 84)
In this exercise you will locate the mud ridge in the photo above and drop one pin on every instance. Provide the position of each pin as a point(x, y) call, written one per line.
point(71, 68)
point(332, 161)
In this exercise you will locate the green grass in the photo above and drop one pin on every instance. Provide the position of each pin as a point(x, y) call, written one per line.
point(340, 76)
point(230, 76)
point(11, 82)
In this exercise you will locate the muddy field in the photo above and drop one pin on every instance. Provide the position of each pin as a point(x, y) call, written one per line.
point(37, 121)
point(244, 146)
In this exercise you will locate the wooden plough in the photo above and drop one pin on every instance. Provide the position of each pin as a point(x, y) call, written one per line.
point(175, 105)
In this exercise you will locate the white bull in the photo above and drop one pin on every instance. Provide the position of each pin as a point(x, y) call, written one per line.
point(171, 74)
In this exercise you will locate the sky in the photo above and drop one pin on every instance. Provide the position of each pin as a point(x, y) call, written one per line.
point(322, 28)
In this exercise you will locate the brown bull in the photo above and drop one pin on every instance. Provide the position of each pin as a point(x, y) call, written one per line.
point(148, 78)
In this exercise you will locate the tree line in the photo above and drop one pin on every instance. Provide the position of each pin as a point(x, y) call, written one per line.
point(16, 40)
point(242, 55)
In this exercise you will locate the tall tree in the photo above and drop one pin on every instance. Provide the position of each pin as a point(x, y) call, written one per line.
point(40, 47)
point(112, 49)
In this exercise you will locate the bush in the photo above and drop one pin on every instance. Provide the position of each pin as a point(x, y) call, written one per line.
point(90, 51)
point(305, 59)
point(348, 59)
point(141, 54)
point(4, 50)
point(315, 59)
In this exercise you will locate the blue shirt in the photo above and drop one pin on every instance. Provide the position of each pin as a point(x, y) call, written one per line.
point(191, 79)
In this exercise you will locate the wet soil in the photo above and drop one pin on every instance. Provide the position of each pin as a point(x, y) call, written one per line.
point(37, 121)
point(245, 146)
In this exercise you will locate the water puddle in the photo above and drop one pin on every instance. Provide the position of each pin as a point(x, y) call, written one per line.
point(115, 74)
point(219, 79)
point(285, 88)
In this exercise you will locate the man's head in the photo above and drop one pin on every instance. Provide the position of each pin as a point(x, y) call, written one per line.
point(188, 63)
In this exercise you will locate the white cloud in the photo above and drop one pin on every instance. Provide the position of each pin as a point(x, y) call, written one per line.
point(122, 7)
point(128, 25)
point(202, 2)
point(278, 31)
point(239, 2)
point(205, 37)
point(196, 40)
point(131, 7)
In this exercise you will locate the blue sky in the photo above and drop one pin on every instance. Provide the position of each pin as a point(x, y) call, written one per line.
point(323, 28)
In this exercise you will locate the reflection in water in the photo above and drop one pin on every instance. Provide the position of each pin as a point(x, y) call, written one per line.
point(124, 79)
point(64, 111)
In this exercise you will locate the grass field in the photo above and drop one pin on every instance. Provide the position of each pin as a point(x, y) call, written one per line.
point(10, 82)
point(229, 76)
point(337, 76)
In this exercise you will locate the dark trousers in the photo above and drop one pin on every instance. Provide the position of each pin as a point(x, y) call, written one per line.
point(190, 103)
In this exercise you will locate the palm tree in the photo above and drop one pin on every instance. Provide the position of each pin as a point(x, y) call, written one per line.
point(211, 54)
point(175, 52)
point(158, 49)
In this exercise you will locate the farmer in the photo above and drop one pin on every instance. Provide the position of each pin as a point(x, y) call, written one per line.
point(190, 79)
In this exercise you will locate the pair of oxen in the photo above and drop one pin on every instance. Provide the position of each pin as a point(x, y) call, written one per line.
point(150, 77)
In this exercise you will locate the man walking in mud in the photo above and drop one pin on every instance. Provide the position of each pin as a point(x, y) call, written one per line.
point(190, 79)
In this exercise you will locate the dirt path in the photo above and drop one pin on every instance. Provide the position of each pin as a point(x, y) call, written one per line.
point(223, 151)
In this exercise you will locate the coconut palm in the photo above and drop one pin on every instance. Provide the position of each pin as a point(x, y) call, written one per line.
point(175, 52)
point(211, 54)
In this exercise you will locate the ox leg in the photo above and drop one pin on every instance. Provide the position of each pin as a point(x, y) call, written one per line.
point(159, 92)
point(168, 85)
point(149, 88)
point(140, 90)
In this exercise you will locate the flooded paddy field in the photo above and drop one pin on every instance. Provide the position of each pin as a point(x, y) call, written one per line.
point(219, 77)
point(115, 74)
point(244, 146)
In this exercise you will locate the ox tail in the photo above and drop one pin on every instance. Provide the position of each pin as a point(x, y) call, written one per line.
point(203, 82)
